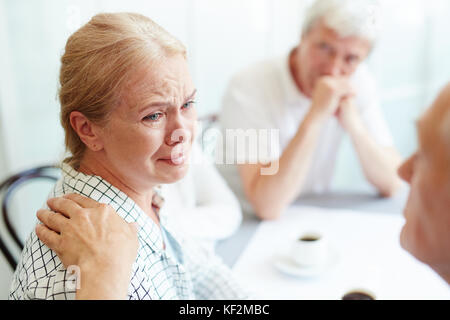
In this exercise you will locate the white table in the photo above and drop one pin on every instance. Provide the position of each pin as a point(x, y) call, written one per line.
point(231, 248)
point(369, 257)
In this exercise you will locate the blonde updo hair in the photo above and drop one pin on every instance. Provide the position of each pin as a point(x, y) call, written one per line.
point(99, 59)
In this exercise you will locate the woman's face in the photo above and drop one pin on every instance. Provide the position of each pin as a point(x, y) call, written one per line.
point(148, 138)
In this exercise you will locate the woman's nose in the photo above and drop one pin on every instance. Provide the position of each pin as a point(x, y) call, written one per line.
point(177, 132)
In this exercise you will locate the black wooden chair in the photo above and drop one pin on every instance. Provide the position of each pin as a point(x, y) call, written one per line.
point(8, 188)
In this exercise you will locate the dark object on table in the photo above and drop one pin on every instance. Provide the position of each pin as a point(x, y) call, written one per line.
point(357, 295)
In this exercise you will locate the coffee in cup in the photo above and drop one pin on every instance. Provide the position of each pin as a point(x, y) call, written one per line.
point(358, 294)
point(310, 249)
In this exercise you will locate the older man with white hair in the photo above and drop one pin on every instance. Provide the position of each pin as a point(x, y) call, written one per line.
point(311, 97)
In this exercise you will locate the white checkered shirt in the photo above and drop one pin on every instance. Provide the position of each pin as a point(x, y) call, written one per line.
point(195, 273)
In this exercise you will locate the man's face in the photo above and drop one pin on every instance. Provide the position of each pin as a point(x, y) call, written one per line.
point(426, 233)
point(322, 52)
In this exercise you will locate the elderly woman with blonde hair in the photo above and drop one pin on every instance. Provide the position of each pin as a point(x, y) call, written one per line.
point(127, 108)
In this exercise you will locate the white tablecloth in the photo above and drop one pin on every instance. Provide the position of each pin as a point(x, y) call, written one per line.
point(368, 251)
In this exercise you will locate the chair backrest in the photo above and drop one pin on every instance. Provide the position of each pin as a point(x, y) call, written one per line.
point(12, 234)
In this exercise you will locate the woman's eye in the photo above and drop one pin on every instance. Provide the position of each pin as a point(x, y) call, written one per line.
point(324, 46)
point(153, 117)
point(188, 104)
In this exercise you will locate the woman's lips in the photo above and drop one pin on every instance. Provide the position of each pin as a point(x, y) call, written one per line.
point(175, 160)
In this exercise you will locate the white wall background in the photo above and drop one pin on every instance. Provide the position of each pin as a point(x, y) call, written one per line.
point(410, 63)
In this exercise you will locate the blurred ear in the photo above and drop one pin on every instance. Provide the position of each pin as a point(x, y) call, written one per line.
point(86, 130)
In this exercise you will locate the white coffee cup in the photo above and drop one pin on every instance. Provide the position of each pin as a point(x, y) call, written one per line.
point(310, 249)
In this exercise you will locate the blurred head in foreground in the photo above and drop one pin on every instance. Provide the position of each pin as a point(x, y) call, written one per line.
point(426, 233)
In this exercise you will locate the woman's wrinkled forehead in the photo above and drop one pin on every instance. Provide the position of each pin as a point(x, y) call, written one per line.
point(168, 81)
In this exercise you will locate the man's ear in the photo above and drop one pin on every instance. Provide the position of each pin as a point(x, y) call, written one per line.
point(86, 130)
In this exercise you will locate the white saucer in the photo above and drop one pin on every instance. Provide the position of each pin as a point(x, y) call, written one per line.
point(287, 265)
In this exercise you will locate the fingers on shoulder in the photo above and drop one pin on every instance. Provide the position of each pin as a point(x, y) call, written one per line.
point(65, 206)
point(49, 237)
point(82, 201)
point(52, 220)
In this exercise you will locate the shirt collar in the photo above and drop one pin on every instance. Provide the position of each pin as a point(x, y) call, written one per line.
point(98, 189)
